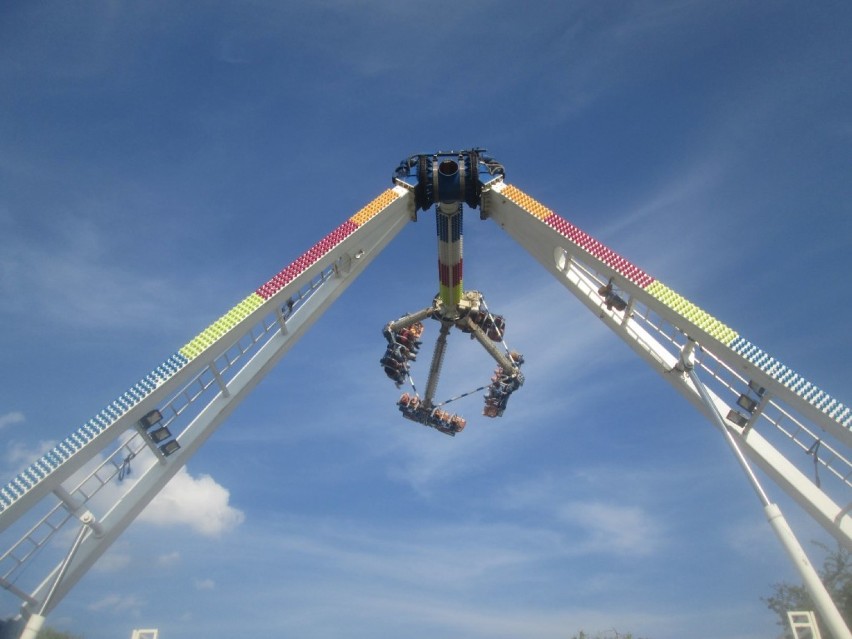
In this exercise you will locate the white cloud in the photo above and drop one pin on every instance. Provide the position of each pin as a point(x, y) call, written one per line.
point(205, 584)
point(197, 502)
point(15, 417)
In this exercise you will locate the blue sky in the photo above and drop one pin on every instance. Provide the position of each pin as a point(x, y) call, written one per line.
point(161, 160)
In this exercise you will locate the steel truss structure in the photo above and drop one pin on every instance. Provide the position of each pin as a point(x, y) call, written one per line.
point(771, 416)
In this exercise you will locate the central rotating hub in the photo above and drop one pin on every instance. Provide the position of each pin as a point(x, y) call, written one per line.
point(449, 180)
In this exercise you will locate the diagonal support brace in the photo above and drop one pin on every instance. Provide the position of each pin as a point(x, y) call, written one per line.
point(822, 600)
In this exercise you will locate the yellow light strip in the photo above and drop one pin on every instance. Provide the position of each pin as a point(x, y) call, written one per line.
point(529, 204)
point(374, 208)
point(702, 319)
point(221, 326)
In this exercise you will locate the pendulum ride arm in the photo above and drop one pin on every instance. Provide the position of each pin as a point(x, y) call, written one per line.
point(505, 363)
point(437, 362)
point(161, 421)
point(778, 419)
point(408, 320)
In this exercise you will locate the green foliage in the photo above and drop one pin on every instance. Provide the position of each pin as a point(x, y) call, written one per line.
point(609, 634)
point(836, 574)
point(50, 633)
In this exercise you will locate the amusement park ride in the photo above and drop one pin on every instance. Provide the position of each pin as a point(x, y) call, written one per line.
point(771, 416)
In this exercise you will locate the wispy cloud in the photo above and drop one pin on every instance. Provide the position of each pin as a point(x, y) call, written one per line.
point(168, 559)
point(456, 579)
point(591, 503)
point(15, 417)
point(72, 280)
point(435, 613)
point(614, 528)
point(593, 51)
point(118, 604)
point(19, 455)
point(456, 556)
point(205, 584)
point(113, 561)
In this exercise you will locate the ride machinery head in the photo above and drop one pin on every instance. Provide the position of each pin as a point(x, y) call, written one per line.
point(448, 180)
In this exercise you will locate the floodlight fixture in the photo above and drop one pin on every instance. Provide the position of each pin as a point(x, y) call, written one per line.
point(747, 403)
point(738, 418)
point(151, 418)
point(757, 388)
point(169, 447)
point(160, 434)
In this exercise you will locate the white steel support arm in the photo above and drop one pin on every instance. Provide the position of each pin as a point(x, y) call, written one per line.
point(219, 369)
point(656, 323)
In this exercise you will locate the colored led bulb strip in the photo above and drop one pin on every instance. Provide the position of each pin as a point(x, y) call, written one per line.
point(218, 330)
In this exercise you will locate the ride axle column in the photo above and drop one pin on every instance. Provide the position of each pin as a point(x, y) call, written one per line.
point(449, 223)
